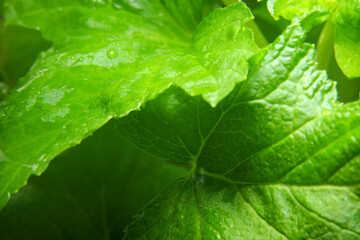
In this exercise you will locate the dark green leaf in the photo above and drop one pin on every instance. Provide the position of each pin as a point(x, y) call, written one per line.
point(89, 192)
point(19, 48)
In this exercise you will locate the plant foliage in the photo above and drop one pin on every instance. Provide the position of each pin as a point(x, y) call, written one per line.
point(244, 139)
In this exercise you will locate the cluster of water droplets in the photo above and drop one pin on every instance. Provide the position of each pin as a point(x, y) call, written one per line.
point(111, 53)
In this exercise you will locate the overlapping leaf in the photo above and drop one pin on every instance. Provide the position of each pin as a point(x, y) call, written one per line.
point(19, 48)
point(218, 210)
point(345, 16)
point(283, 92)
point(107, 60)
point(275, 160)
point(89, 192)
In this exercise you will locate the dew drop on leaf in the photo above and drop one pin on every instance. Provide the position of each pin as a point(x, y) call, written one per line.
point(111, 53)
point(34, 167)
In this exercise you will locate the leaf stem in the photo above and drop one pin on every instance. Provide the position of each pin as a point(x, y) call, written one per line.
point(259, 37)
point(325, 46)
point(348, 89)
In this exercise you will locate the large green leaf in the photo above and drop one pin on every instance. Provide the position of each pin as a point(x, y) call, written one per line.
point(283, 92)
point(107, 60)
point(278, 159)
point(347, 37)
point(207, 209)
point(345, 16)
point(89, 192)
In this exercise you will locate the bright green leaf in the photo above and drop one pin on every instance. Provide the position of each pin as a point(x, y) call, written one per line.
point(107, 60)
point(89, 192)
point(345, 16)
point(275, 160)
point(284, 91)
point(347, 37)
point(207, 209)
point(291, 8)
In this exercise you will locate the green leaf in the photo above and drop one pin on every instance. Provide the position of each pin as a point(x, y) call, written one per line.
point(269, 27)
point(291, 8)
point(279, 162)
point(19, 48)
point(107, 60)
point(89, 192)
point(345, 16)
point(283, 92)
point(199, 58)
point(206, 209)
point(347, 37)
point(274, 161)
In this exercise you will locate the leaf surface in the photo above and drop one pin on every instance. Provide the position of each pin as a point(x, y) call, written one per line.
point(280, 159)
point(291, 8)
point(207, 209)
point(283, 92)
point(347, 37)
point(107, 60)
point(89, 192)
point(345, 16)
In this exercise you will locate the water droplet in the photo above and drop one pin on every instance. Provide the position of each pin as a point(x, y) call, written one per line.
point(112, 53)
point(334, 103)
point(81, 59)
point(91, 57)
point(42, 158)
point(30, 102)
point(123, 54)
point(34, 167)
point(72, 57)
